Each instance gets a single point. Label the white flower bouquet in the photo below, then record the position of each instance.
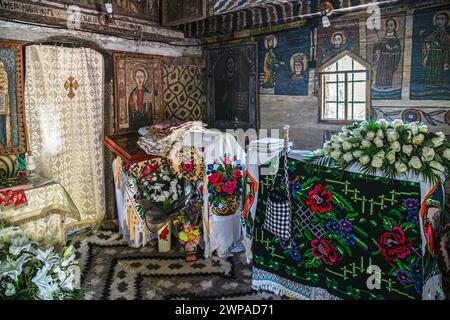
(394, 148)
(29, 272)
(164, 188)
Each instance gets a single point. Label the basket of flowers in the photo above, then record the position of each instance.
(224, 185)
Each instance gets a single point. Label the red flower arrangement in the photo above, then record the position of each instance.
(224, 179)
(394, 245)
(319, 199)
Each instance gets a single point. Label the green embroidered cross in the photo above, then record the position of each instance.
(266, 183)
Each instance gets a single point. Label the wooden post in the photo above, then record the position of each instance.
(286, 136)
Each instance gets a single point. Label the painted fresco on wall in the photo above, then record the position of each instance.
(144, 9)
(12, 116)
(385, 50)
(283, 62)
(436, 117)
(137, 87)
(340, 36)
(430, 70)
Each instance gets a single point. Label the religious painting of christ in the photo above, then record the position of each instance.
(137, 91)
(430, 78)
(385, 51)
(139, 101)
(13, 138)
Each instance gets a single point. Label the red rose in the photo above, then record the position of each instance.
(394, 245)
(319, 199)
(325, 250)
(229, 187)
(237, 174)
(215, 179)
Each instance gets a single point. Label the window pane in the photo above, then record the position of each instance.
(345, 64)
(359, 76)
(341, 113)
(358, 66)
(359, 91)
(331, 68)
(341, 92)
(330, 92)
(330, 111)
(359, 111)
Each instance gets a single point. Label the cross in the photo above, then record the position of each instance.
(266, 182)
(71, 84)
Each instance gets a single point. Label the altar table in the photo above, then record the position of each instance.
(353, 236)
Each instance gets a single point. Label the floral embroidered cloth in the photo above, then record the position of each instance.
(14, 198)
(354, 236)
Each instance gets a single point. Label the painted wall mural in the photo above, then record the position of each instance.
(385, 50)
(144, 9)
(12, 115)
(340, 36)
(435, 117)
(283, 62)
(430, 70)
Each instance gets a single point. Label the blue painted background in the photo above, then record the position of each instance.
(289, 43)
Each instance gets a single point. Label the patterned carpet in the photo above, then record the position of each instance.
(112, 270)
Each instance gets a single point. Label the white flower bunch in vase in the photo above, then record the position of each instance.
(30, 272)
(394, 148)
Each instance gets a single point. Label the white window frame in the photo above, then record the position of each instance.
(322, 89)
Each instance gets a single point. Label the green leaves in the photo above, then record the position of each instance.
(388, 223)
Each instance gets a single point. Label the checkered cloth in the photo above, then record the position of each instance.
(278, 218)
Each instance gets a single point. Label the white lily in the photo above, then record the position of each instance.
(20, 244)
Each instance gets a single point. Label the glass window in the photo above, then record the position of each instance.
(344, 90)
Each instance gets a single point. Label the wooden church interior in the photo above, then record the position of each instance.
(224, 149)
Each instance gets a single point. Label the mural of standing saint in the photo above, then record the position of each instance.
(387, 54)
(436, 50)
(271, 63)
(139, 101)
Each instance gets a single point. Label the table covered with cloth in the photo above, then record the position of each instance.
(353, 236)
(48, 213)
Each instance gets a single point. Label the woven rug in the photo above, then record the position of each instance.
(112, 270)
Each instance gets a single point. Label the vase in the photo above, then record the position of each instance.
(225, 205)
(164, 238)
